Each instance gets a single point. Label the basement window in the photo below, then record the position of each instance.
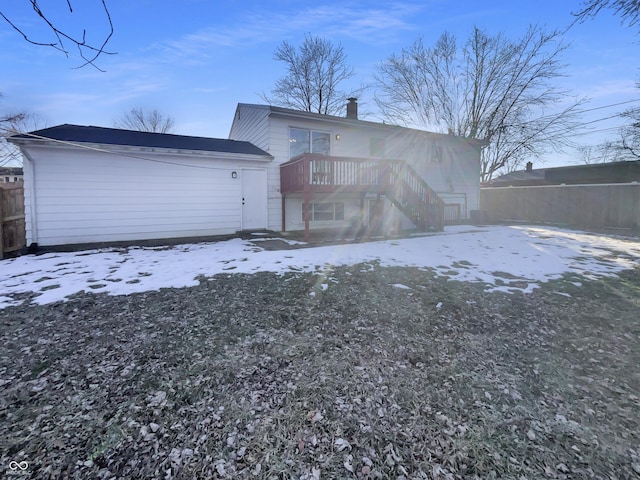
(326, 212)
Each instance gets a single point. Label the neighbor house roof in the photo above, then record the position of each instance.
(608, 172)
(114, 136)
(10, 170)
(611, 172)
(522, 177)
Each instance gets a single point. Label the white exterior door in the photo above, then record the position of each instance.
(254, 199)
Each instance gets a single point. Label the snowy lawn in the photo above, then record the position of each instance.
(480, 353)
(503, 258)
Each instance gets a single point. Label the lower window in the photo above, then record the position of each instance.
(322, 212)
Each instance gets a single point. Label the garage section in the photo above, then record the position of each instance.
(86, 192)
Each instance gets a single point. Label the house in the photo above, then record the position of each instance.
(331, 172)
(10, 174)
(280, 169)
(596, 173)
(92, 185)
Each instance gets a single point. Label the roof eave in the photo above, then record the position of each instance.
(287, 113)
(116, 148)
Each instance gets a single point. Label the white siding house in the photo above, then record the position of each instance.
(450, 165)
(91, 184)
(10, 174)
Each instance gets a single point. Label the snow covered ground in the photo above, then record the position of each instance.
(503, 258)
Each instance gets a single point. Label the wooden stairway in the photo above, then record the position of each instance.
(314, 174)
(407, 190)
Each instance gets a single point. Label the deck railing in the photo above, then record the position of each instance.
(405, 188)
(320, 173)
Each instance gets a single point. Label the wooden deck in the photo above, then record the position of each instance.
(312, 174)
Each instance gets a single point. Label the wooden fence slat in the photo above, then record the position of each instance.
(12, 219)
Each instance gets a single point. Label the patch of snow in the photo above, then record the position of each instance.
(400, 285)
(529, 256)
(8, 302)
(562, 294)
(283, 240)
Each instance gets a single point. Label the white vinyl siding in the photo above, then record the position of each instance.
(87, 196)
(251, 124)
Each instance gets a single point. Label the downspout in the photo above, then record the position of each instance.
(33, 211)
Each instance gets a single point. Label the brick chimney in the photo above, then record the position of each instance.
(352, 108)
(529, 167)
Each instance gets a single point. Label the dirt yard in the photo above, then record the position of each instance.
(388, 373)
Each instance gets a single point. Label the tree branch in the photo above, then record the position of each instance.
(89, 53)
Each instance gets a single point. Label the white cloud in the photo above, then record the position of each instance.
(365, 23)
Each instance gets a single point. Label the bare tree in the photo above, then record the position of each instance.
(493, 89)
(630, 134)
(146, 121)
(628, 146)
(603, 153)
(13, 124)
(89, 52)
(315, 71)
(629, 10)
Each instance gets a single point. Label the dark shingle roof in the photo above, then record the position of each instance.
(522, 177)
(115, 136)
(612, 172)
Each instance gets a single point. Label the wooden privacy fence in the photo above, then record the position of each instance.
(600, 206)
(12, 225)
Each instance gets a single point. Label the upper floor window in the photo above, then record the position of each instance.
(308, 141)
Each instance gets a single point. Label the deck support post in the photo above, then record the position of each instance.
(284, 222)
(306, 207)
(306, 210)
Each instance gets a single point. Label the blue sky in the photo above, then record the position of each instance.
(196, 59)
